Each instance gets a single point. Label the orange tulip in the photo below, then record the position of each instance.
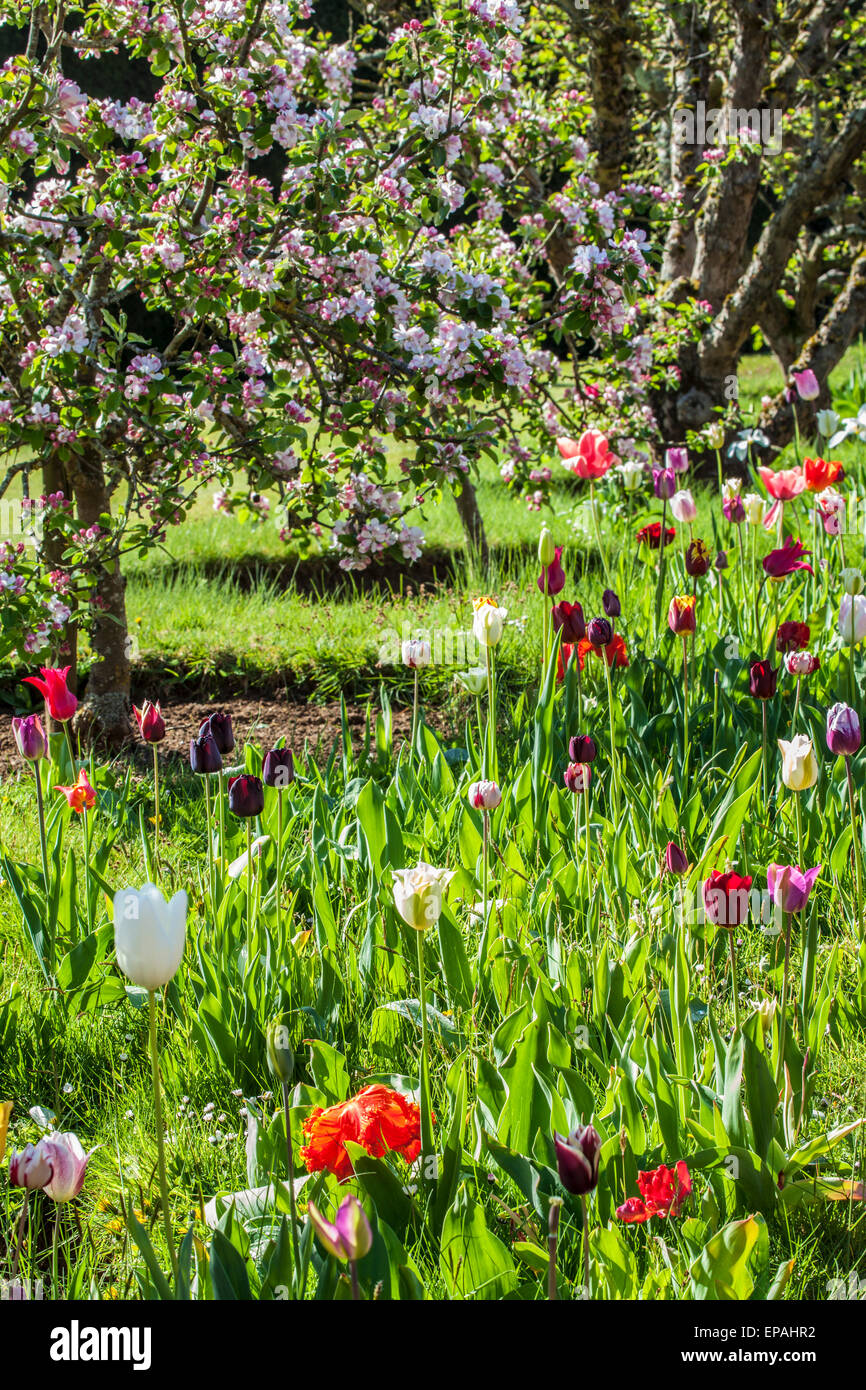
(377, 1118)
(81, 795)
(821, 473)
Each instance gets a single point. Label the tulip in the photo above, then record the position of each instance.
(651, 535)
(676, 860)
(731, 488)
(68, 1163)
(599, 632)
(843, 731)
(789, 886)
(801, 663)
(677, 459)
(81, 796)
(349, 1236)
(279, 768)
(473, 680)
(726, 898)
(611, 604)
(416, 653)
(799, 764)
(220, 725)
(418, 894)
(546, 547)
(5, 1116)
(852, 619)
(204, 756)
(792, 636)
(852, 581)
(784, 485)
(828, 422)
(488, 622)
(664, 483)
(149, 934)
(807, 386)
(697, 559)
(582, 749)
(762, 680)
(577, 1159)
(588, 457)
(30, 1168)
(484, 796)
(786, 560)
(721, 560)
(753, 506)
(30, 737)
(821, 474)
(632, 474)
(681, 615)
(62, 704)
(552, 577)
(683, 507)
(734, 510)
(246, 796)
(151, 724)
(568, 618)
(577, 777)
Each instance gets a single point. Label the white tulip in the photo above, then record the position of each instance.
(683, 507)
(488, 622)
(852, 581)
(799, 764)
(754, 506)
(418, 894)
(852, 619)
(149, 934)
(632, 475)
(416, 652)
(474, 679)
(731, 488)
(828, 421)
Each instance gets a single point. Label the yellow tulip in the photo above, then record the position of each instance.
(5, 1112)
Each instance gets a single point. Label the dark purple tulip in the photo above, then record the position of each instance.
(762, 680)
(611, 604)
(246, 795)
(676, 862)
(220, 725)
(582, 749)
(843, 731)
(30, 737)
(577, 1159)
(599, 632)
(279, 768)
(568, 618)
(722, 560)
(697, 559)
(204, 756)
(555, 575)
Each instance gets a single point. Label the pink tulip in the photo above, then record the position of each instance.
(807, 386)
(68, 1164)
(588, 457)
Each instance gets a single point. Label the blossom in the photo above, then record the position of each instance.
(753, 506)
(762, 680)
(801, 663)
(663, 1192)
(665, 484)
(62, 704)
(806, 383)
(799, 764)
(789, 886)
(792, 636)
(787, 559)
(30, 1168)
(726, 898)
(577, 1159)
(683, 506)
(569, 620)
(418, 894)
(651, 535)
(577, 777)
(484, 796)
(677, 459)
(378, 1119)
(697, 558)
(68, 1165)
(488, 622)
(784, 485)
(852, 619)
(149, 934)
(349, 1236)
(821, 473)
(588, 457)
(681, 614)
(151, 724)
(843, 730)
(552, 577)
(416, 653)
(29, 737)
(81, 796)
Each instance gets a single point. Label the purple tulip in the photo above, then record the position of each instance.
(204, 756)
(734, 510)
(349, 1236)
(599, 632)
(611, 604)
(582, 749)
(677, 459)
(789, 886)
(843, 731)
(807, 386)
(30, 737)
(555, 575)
(30, 1168)
(577, 1158)
(279, 768)
(664, 483)
(220, 725)
(246, 796)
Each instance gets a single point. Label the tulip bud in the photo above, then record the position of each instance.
(632, 475)
(676, 861)
(807, 386)
(766, 1012)
(677, 459)
(151, 724)
(474, 679)
(281, 1058)
(246, 796)
(799, 764)
(418, 894)
(29, 1169)
(220, 725)
(484, 796)
(546, 547)
(611, 604)
(762, 680)
(683, 507)
(488, 622)
(577, 1159)
(279, 768)
(852, 581)
(349, 1237)
(582, 749)
(681, 615)
(204, 756)
(30, 737)
(843, 731)
(599, 632)
(664, 483)
(577, 777)
(721, 561)
(416, 653)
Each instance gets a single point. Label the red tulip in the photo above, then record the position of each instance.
(792, 637)
(651, 535)
(151, 724)
(663, 1192)
(61, 702)
(726, 898)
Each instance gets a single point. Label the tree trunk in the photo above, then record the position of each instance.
(64, 648)
(472, 521)
(104, 713)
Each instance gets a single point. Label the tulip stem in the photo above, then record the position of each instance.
(40, 808)
(279, 888)
(356, 1287)
(160, 1134)
(851, 683)
(685, 717)
(489, 770)
(222, 820)
(783, 1022)
(796, 708)
(249, 820)
(598, 533)
(209, 837)
(764, 770)
(68, 734)
(426, 1128)
(290, 1172)
(734, 984)
(661, 571)
(586, 812)
(414, 712)
(585, 1217)
(155, 802)
(485, 835)
(552, 1234)
(613, 756)
(20, 1234)
(858, 853)
(545, 619)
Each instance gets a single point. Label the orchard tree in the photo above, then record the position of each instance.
(289, 258)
